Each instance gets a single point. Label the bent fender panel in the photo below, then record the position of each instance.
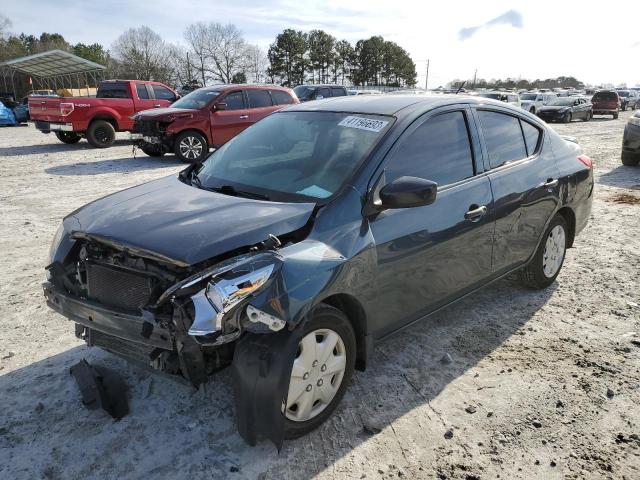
(262, 368)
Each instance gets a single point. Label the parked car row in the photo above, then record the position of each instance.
(321, 230)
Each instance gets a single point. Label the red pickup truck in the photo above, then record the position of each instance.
(101, 117)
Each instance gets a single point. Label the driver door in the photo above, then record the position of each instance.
(428, 256)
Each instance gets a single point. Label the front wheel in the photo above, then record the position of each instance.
(321, 371)
(630, 159)
(545, 265)
(68, 137)
(568, 118)
(587, 117)
(615, 116)
(191, 147)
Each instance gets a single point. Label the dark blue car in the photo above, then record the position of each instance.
(314, 234)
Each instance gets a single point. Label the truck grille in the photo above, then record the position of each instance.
(118, 287)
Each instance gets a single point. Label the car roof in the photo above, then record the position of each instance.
(229, 86)
(388, 104)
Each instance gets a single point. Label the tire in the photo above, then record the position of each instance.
(534, 274)
(153, 150)
(615, 116)
(587, 117)
(532, 110)
(623, 107)
(324, 318)
(101, 134)
(630, 159)
(191, 147)
(568, 118)
(68, 137)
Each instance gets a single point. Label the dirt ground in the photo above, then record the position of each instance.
(540, 384)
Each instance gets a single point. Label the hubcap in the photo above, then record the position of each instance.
(553, 251)
(317, 374)
(191, 148)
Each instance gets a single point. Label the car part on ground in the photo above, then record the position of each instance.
(322, 222)
(101, 387)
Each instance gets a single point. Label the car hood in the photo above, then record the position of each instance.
(158, 113)
(184, 224)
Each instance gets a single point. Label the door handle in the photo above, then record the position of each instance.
(550, 183)
(157, 105)
(475, 213)
(244, 116)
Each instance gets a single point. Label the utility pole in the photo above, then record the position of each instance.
(475, 74)
(426, 78)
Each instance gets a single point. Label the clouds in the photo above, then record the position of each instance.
(637, 44)
(512, 17)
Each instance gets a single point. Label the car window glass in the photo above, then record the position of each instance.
(162, 93)
(503, 137)
(141, 88)
(259, 98)
(280, 97)
(323, 92)
(113, 90)
(338, 92)
(531, 136)
(438, 150)
(234, 101)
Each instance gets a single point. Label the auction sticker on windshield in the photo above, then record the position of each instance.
(363, 123)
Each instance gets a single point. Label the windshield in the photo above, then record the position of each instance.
(196, 100)
(623, 93)
(303, 92)
(564, 101)
(294, 156)
(495, 96)
(528, 96)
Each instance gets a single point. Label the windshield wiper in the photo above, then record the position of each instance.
(231, 190)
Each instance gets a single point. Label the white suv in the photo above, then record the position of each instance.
(532, 101)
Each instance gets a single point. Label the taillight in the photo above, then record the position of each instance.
(586, 160)
(66, 109)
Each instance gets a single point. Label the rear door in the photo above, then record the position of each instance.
(143, 96)
(227, 123)
(525, 183)
(260, 104)
(428, 256)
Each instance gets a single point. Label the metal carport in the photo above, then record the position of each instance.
(52, 70)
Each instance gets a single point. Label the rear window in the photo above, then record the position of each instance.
(503, 136)
(259, 98)
(605, 96)
(113, 90)
(280, 97)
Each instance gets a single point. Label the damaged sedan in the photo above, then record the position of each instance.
(312, 235)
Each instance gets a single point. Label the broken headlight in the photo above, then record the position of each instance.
(224, 292)
(57, 239)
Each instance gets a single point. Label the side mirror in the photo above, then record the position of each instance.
(408, 192)
(220, 106)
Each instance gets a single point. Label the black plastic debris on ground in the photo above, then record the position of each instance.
(101, 387)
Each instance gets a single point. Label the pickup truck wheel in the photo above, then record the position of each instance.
(615, 116)
(545, 265)
(630, 159)
(191, 147)
(101, 134)
(321, 371)
(153, 150)
(68, 137)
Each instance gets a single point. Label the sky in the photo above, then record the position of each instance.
(518, 38)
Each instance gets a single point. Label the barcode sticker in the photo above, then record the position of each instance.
(361, 123)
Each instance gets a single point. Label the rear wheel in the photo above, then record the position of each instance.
(321, 371)
(68, 137)
(545, 265)
(630, 159)
(101, 134)
(587, 116)
(615, 116)
(191, 147)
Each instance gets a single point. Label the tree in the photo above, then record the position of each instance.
(196, 36)
(368, 61)
(287, 57)
(257, 63)
(142, 54)
(227, 50)
(5, 25)
(343, 60)
(321, 53)
(94, 52)
(239, 77)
